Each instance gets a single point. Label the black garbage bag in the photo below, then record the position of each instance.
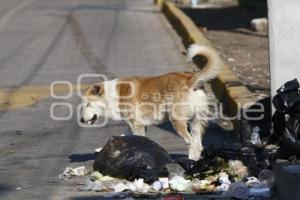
(210, 160)
(287, 99)
(132, 157)
(193, 168)
(286, 119)
(209, 163)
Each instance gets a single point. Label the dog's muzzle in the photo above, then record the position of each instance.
(91, 121)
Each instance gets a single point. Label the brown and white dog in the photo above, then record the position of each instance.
(142, 101)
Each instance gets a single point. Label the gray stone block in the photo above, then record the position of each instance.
(287, 179)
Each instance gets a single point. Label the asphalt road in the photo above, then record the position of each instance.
(58, 40)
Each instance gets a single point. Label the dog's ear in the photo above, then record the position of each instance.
(97, 90)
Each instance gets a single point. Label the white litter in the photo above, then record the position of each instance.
(165, 182)
(157, 185)
(255, 138)
(179, 183)
(98, 186)
(96, 176)
(120, 187)
(138, 185)
(222, 188)
(78, 171)
(106, 178)
(225, 182)
(224, 178)
(92, 186)
(259, 24)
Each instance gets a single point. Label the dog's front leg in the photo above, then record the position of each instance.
(137, 128)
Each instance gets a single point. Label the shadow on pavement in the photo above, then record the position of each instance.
(226, 18)
(215, 135)
(82, 157)
(167, 127)
(4, 189)
(175, 156)
(218, 137)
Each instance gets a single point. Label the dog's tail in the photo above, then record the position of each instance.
(212, 61)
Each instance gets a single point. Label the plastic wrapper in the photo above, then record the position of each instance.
(175, 169)
(132, 157)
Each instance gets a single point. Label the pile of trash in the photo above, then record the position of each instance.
(221, 183)
(135, 165)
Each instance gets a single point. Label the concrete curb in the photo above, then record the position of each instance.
(227, 87)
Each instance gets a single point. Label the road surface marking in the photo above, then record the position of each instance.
(12, 99)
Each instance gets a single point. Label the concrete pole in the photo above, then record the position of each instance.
(284, 34)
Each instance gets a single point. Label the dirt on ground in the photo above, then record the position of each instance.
(244, 50)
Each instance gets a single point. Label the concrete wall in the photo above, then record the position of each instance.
(284, 33)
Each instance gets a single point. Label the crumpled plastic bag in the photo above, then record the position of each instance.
(178, 183)
(175, 169)
(132, 157)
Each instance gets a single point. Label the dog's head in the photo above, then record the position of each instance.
(93, 104)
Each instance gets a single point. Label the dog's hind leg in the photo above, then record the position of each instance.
(197, 130)
(181, 128)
